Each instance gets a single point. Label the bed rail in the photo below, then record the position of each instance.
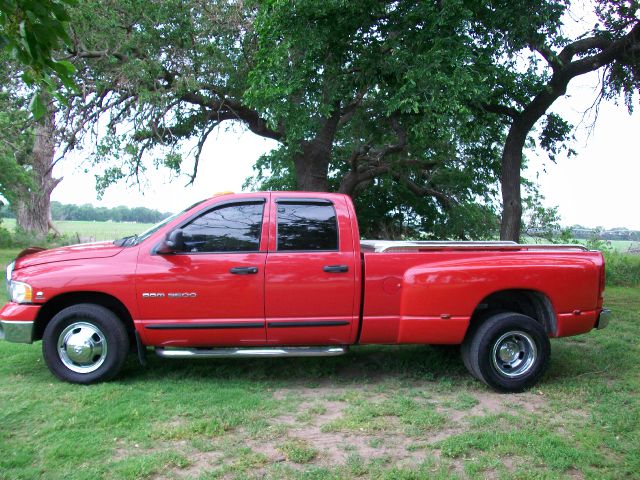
(380, 246)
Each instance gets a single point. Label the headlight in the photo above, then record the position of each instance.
(20, 292)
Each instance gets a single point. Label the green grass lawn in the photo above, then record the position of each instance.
(379, 412)
(95, 231)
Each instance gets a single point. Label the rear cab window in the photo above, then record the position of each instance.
(306, 225)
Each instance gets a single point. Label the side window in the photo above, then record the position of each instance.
(307, 226)
(231, 228)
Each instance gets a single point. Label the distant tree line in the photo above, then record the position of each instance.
(583, 233)
(608, 234)
(88, 212)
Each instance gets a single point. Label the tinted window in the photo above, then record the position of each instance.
(234, 228)
(307, 227)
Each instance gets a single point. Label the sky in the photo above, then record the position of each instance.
(600, 186)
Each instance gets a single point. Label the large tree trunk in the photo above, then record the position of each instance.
(312, 167)
(33, 205)
(510, 184)
(312, 163)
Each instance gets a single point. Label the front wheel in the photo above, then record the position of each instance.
(508, 351)
(85, 343)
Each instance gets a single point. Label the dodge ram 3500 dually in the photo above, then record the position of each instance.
(286, 274)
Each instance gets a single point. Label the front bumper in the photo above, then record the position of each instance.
(16, 331)
(603, 318)
(17, 322)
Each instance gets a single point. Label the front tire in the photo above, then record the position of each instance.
(508, 351)
(85, 343)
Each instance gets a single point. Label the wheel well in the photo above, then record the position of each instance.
(56, 304)
(527, 302)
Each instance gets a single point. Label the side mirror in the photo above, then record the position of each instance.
(174, 242)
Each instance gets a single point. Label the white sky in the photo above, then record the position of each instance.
(600, 186)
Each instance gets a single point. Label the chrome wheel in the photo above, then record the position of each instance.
(82, 347)
(514, 354)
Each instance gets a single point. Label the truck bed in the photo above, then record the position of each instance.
(427, 292)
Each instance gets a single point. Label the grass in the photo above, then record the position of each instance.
(94, 231)
(298, 451)
(380, 412)
(622, 269)
(623, 245)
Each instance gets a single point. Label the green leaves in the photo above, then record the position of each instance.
(32, 31)
(37, 106)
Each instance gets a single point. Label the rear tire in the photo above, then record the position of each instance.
(85, 343)
(508, 351)
(465, 352)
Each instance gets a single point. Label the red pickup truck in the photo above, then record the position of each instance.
(286, 274)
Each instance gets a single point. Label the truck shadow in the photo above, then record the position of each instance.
(375, 364)
(362, 364)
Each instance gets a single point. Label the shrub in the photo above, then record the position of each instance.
(22, 239)
(623, 270)
(6, 240)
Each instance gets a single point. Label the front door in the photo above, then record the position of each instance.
(212, 293)
(310, 273)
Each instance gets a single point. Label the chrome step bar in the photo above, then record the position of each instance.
(251, 352)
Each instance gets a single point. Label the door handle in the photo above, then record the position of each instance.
(244, 270)
(335, 268)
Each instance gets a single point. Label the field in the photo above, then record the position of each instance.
(379, 412)
(92, 231)
(621, 246)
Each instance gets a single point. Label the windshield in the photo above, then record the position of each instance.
(136, 239)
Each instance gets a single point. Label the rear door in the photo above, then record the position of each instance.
(212, 293)
(310, 272)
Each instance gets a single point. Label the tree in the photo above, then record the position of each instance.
(361, 90)
(32, 32)
(358, 94)
(12, 144)
(27, 148)
(612, 46)
(32, 203)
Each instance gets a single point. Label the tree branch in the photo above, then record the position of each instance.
(546, 53)
(199, 146)
(420, 191)
(500, 109)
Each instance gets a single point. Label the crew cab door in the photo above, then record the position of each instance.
(310, 272)
(212, 293)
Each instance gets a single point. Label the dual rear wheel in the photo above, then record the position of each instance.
(507, 351)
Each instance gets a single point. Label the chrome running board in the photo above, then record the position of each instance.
(250, 352)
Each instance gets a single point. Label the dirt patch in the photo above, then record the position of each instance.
(492, 403)
(575, 474)
(200, 462)
(321, 405)
(323, 391)
(335, 447)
